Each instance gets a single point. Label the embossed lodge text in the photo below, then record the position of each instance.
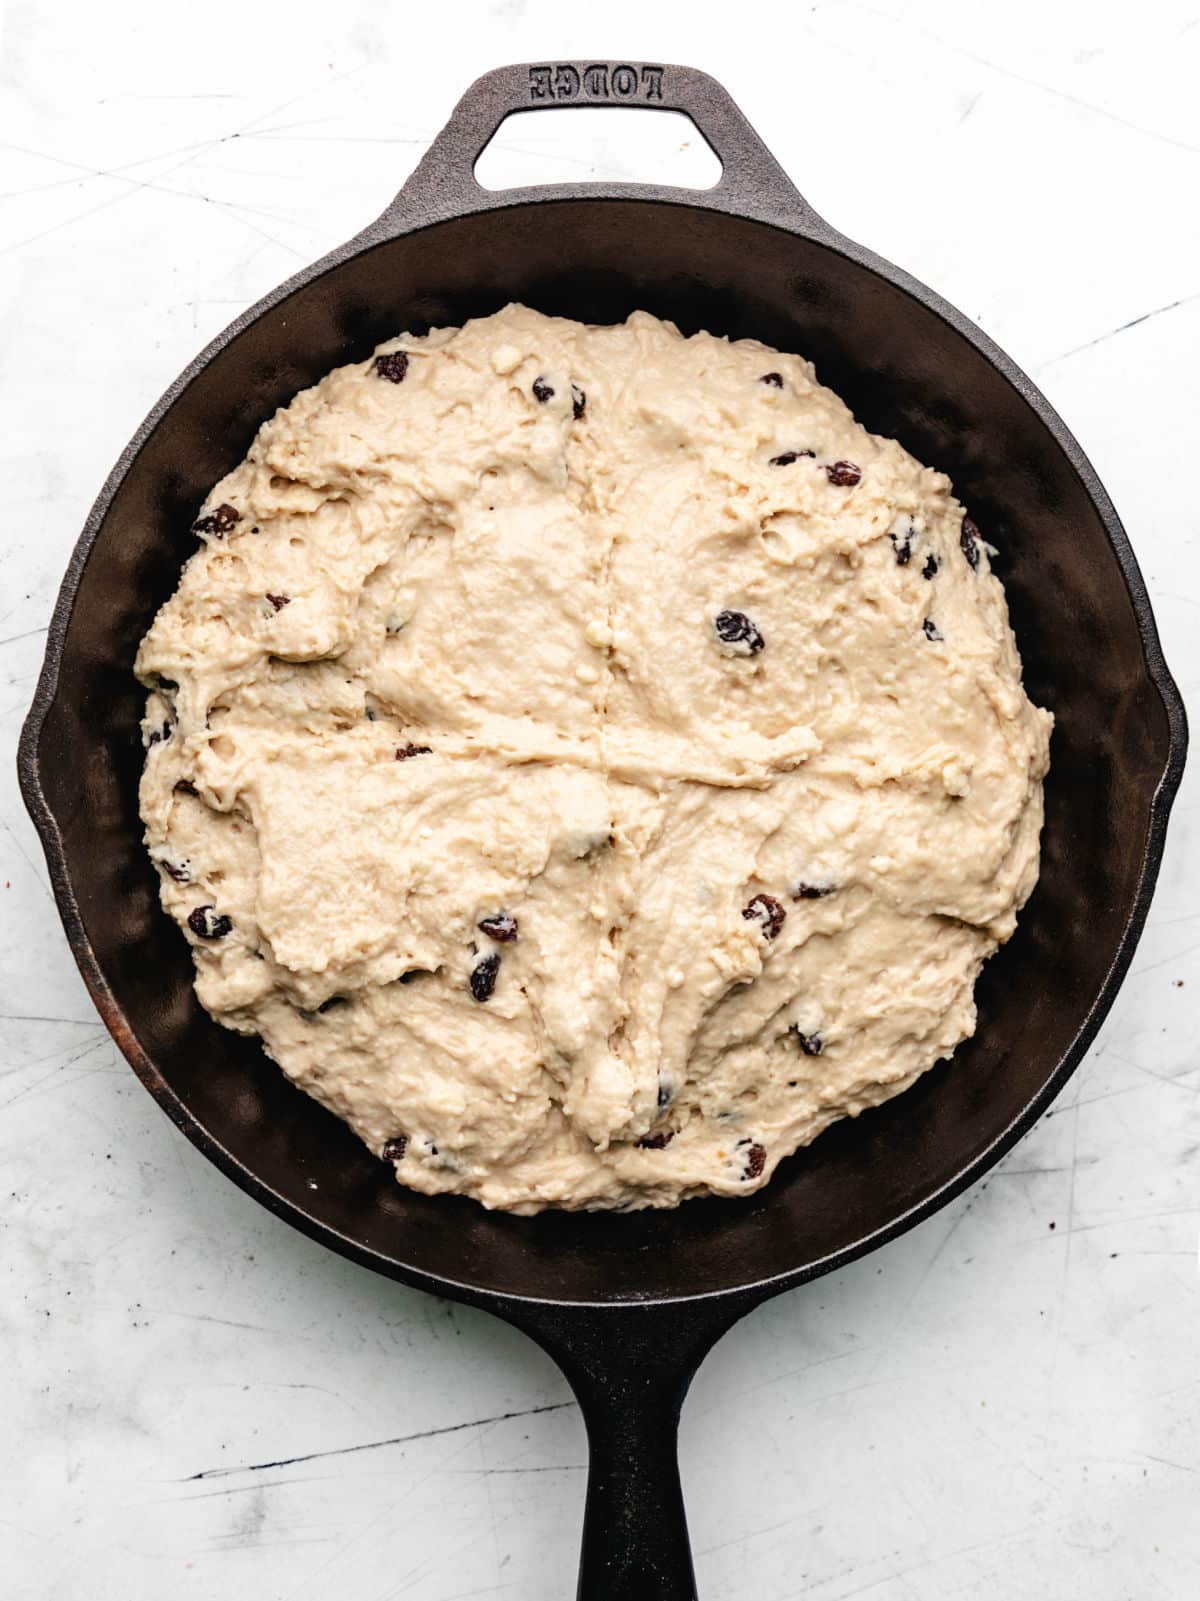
(600, 82)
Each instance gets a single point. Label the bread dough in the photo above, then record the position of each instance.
(632, 646)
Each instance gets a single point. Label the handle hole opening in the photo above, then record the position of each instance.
(597, 144)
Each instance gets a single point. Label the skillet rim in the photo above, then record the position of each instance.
(800, 222)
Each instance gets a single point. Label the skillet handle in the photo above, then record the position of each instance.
(630, 1368)
(752, 182)
(635, 1534)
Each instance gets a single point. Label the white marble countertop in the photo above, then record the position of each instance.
(1006, 1402)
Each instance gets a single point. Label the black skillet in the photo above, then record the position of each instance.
(627, 1306)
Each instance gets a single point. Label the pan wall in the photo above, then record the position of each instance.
(905, 372)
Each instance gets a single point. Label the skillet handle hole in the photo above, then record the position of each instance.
(602, 144)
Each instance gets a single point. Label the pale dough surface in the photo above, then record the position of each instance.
(461, 562)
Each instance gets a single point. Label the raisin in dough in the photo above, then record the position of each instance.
(641, 653)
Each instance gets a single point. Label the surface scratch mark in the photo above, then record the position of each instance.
(909, 26)
(1134, 322)
(376, 1445)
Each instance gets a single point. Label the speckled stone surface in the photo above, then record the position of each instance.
(200, 1403)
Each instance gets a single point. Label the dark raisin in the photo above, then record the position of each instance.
(812, 892)
(789, 456)
(280, 601)
(184, 786)
(181, 872)
(902, 546)
(756, 1160)
(931, 566)
(843, 473)
(205, 923)
(407, 751)
(502, 927)
(578, 402)
(666, 1094)
(775, 379)
(968, 540)
(657, 1142)
(217, 522)
(932, 631)
(765, 909)
(810, 1044)
(542, 391)
(483, 976)
(735, 628)
(393, 1150)
(393, 366)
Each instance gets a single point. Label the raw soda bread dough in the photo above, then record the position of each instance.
(589, 759)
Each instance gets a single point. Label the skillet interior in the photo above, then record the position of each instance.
(906, 372)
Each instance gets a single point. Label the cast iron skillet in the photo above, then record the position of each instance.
(627, 1306)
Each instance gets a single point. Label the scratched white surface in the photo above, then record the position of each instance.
(1004, 1403)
